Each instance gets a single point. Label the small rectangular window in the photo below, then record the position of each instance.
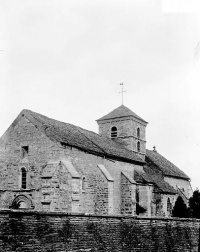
(24, 151)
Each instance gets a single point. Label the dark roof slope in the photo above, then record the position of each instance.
(164, 165)
(121, 111)
(78, 137)
(159, 184)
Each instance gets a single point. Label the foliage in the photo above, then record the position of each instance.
(194, 205)
(180, 209)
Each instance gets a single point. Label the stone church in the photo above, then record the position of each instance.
(48, 165)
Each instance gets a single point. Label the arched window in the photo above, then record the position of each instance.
(138, 132)
(138, 146)
(169, 206)
(23, 178)
(113, 132)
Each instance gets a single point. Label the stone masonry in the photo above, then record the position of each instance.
(58, 232)
(47, 165)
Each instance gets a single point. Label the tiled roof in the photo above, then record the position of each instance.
(121, 111)
(153, 158)
(159, 184)
(74, 136)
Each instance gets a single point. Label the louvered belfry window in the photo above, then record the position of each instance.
(138, 132)
(138, 146)
(113, 132)
(23, 178)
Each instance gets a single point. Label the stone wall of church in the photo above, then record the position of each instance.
(126, 133)
(145, 198)
(125, 127)
(51, 232)
(168, 202)
(128, 192)
(162, 204)
(183, 185)
(62, 191)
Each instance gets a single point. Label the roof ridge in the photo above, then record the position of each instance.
(75, 136)
(121, 111)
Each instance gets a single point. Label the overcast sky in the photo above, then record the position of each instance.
(66, 59)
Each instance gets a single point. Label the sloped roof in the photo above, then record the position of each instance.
(159, 184)
(164, 165)
(121, 111)
(74, 136)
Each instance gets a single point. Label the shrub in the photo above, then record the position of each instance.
(180, 209)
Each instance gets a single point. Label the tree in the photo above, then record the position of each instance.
(180, 209)
(194, 205)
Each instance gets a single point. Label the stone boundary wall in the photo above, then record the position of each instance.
(31, 231)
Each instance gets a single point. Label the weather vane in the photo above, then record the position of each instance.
(122, 92)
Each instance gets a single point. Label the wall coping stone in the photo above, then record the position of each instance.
(127, 176)
(120, 216)
(71, 169)
(105, 172)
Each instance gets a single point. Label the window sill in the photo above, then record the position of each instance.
(23, 190)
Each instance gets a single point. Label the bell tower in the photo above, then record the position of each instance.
(125, 127)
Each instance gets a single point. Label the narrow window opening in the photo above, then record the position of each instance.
(83, 184)
(138, 132)
(113, 132)
(169, 206)
(23, 178)
(137, 196)
(138, 146)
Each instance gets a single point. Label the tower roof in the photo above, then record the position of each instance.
(121, 111)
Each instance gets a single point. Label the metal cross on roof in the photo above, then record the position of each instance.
(122, 92)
